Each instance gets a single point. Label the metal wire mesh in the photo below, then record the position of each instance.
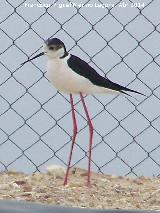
(122, 43)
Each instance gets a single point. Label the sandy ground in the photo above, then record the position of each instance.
(107, 191)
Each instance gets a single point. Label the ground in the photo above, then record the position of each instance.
(107, 191)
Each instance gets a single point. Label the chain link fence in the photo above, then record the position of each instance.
(121, 40)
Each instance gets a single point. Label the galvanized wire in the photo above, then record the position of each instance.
(10, 135)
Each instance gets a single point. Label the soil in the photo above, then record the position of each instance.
(105, 192)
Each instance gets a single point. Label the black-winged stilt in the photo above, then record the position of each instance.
(72, 75)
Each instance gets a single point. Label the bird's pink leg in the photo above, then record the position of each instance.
(73, 139)
(90, 139)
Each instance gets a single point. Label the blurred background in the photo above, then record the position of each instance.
(121, 40)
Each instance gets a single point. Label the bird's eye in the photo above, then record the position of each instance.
(51, 48)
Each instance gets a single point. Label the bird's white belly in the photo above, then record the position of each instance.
(64, 79)
(68, 81)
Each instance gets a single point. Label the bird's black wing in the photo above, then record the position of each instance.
(82, 68)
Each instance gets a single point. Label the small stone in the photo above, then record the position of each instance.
(27, 188)
(56, 170)
(4, 187)
(20, 182)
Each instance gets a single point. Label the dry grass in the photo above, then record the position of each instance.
(106, 191)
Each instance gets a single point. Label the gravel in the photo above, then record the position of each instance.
(106, 192)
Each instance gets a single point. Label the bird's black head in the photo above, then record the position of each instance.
(53, 48)
(54, 41)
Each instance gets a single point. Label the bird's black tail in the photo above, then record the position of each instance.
(122, 89)
(125, 89)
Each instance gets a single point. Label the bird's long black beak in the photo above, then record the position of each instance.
(40, 54)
